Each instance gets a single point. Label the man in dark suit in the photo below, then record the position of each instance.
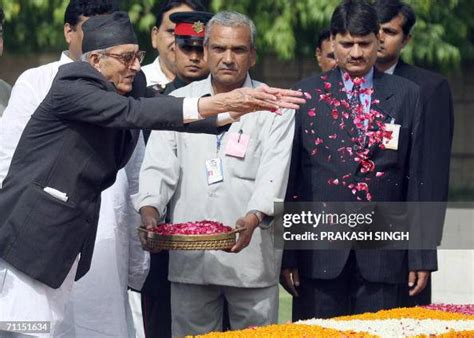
(71, 150)
(336, 158)
(396, 22)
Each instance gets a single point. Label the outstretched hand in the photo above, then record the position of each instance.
(246, 100)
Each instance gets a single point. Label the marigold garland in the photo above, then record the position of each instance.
(314, 331)
(410, 312)
(287, 331)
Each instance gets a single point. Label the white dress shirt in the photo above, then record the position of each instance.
(154, 74)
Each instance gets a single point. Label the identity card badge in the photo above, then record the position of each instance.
(237, 144)
(214, 171)
(392, 143)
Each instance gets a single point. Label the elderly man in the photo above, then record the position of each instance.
(94, 307)
(253, 162)
(70, 151)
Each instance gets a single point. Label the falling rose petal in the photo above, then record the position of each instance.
(311, 124)
(369, 196)
(367, 166)
(333, 136)
(375, 101)
(318, 141)
(311, 113)
(307, 95)
(333, 181)
(306, 131)
(358, 81)
(314, 151)
(345, 177)
(329, 158)
(379, 174)
(327, 85)
(324, 77)
(334, 114)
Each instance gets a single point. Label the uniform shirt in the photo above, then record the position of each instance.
(154, 74)
(174, 170)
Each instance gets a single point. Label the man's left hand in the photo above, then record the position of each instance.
(249, 223)
(417, 281)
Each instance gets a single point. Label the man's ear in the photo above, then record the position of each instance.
(406, 40)
(318, 55)
(94, 61)
(68, 30)
(253, 57)
(153, 37)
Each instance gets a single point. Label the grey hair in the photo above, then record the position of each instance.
(231, 19)
(85, 57)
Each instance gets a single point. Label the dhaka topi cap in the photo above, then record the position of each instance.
(190, 27)
(108, 30)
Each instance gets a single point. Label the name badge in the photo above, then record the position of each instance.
(237, 144)
(214, 171)
(392, 143)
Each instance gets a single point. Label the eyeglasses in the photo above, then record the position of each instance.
(128, 58)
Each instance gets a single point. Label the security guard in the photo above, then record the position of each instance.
(190, 62)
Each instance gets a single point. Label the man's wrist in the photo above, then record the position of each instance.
(259, 216)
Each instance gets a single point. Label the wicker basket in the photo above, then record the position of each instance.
(221, 241)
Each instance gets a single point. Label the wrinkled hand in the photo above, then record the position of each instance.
(285, 98)
(417, 281)
(290, 280)
(246, 100)
(249, 223)
(150, 217)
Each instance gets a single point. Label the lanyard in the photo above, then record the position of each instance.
(219, 142)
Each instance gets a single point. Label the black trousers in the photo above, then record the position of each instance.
(156, 298)
(423, 298)
(347, 294)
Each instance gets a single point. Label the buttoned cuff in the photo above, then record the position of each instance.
(191, 109)
(224, 119)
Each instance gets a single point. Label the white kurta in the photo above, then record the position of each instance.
(154, 74)
(174, 170)
(117, 244)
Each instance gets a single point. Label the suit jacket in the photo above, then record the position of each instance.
(75, 142)
(312, 168)
(439, 124)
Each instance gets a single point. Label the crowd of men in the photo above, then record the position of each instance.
(94, 144)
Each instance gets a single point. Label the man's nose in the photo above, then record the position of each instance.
(135, 65)
(356, 51)
(381, 36)
(228, 57)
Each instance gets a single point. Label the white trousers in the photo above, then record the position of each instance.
(27, 300)
(198, 309)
